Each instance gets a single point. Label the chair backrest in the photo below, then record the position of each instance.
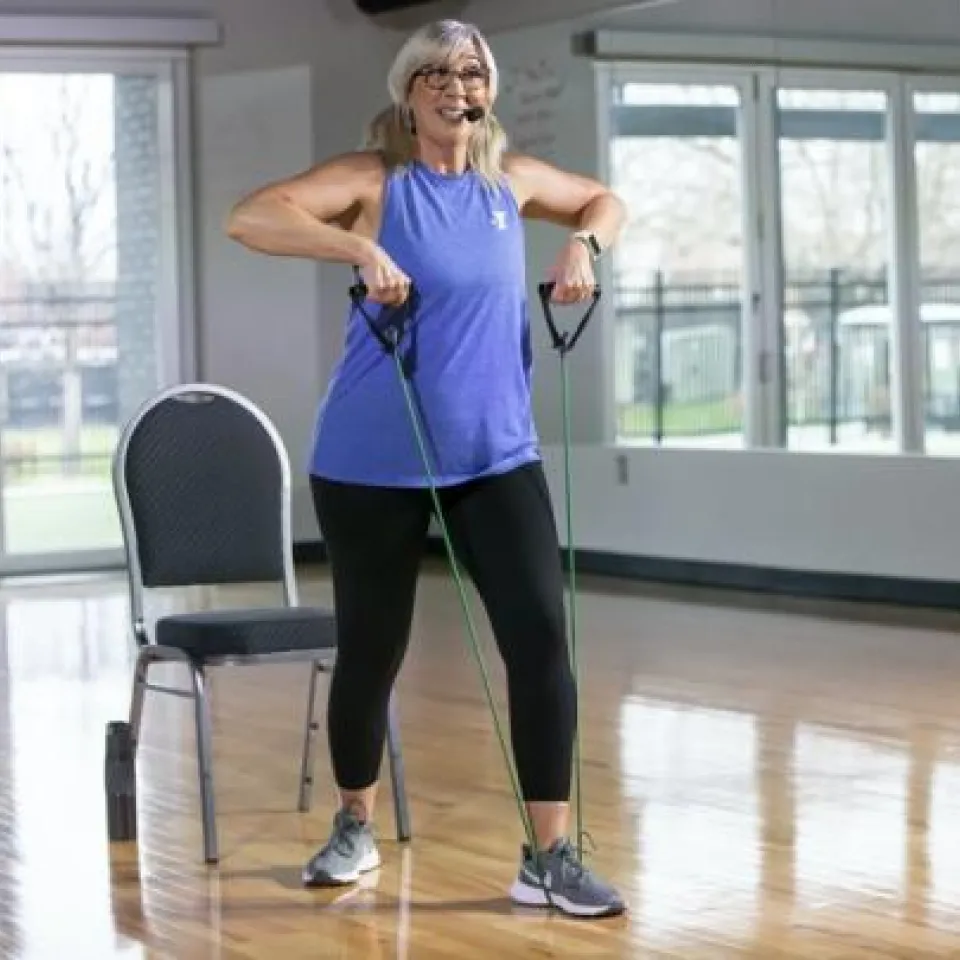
(202, 482)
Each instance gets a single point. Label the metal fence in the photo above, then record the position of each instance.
(679, 354)
(59, 402)
(679, 364)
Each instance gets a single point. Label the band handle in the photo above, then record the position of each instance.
(563, 341)
(391, 337)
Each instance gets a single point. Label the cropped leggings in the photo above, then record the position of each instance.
(504, 535)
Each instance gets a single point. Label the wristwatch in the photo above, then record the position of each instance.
(589, 240)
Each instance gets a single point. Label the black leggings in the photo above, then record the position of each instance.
(505, 537)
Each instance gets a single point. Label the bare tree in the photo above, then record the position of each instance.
(58, 207)
(686, 205)
(57, 199)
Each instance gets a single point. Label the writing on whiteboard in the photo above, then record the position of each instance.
(531, 96)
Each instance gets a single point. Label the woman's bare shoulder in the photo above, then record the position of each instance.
(331, 189)
(359, 166)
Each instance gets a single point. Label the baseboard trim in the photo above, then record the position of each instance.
(910, 592)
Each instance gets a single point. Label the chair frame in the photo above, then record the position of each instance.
(149, 652)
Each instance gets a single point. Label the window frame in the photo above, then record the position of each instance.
(899, 72)
(175, 325)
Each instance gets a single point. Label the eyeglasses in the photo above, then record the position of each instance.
(438, 78)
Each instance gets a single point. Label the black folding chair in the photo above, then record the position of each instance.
(202, 482)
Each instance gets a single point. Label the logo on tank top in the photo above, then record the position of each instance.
(499, 219)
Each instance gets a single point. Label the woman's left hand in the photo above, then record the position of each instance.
(572, 274)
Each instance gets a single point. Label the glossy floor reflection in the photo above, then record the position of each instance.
(760, 784)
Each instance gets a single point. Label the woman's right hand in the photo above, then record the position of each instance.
(385, 281)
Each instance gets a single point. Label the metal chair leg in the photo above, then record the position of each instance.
(309, 731)
(205, 764)
(400, 808)
(138, 694)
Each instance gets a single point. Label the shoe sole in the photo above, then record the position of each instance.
(369, 861)
(526, 896)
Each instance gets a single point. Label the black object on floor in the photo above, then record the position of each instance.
(120, 782)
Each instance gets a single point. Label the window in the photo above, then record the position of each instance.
(91, 289)
(677, 158)
(788, 274)
(937, 124)
(834, 197)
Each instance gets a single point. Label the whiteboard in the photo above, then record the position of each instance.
(532, 104)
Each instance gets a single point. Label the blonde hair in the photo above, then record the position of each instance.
(391, 134)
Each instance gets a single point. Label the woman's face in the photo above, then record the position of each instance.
(441, 92)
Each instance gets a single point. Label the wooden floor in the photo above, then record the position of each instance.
(759, 783)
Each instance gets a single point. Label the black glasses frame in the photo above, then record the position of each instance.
(439, 78)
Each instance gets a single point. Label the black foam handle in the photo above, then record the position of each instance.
(388, 340)
(563, 341)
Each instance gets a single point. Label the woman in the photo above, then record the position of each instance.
(431, 214)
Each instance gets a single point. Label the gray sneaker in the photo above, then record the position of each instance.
(566, 884)
(349, 853)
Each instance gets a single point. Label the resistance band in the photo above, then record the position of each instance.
(563, 343)
(390, 338)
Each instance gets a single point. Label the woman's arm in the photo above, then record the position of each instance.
(312, 214)
(546, 192)
(585, 206)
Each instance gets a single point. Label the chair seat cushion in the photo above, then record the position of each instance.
(247, 632)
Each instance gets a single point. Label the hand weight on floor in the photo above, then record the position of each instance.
(120, 782)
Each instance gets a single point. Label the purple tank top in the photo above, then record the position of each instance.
(467, 348)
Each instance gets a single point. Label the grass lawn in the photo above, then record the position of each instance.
(43, 517)
(51, 506)
(681, 419)
(35, 452)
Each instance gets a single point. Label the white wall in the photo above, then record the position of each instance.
(822, 512)
(261, 329)
(111, 7)
(828, 513)
(936, 20)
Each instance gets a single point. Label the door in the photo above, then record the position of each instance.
(90, 291)
(837, 216)
(680, 152)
